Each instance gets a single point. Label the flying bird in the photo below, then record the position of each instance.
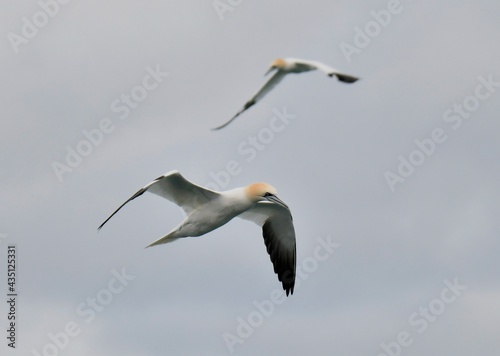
(283, 67)
(207, 210)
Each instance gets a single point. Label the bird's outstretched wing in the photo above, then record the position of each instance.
(330, 71)
(174, 187)
(279, 237)
(270, 84)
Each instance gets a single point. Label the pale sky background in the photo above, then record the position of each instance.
(396, 248)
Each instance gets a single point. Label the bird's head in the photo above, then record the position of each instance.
(276, 64)
(259, 191)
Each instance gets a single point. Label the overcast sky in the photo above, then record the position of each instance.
(398, 171)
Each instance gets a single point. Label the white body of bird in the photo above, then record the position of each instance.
(214, 214)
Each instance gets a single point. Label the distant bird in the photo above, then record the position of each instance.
(207, 210)
(283, 67)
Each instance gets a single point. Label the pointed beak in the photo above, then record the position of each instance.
(269, 70)
(274, 199)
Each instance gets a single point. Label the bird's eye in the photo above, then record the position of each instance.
(267, 194)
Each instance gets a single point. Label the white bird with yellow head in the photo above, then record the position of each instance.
(207, 210)
(284, 66)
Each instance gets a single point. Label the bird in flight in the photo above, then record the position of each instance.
(207, 210)
(283, 67)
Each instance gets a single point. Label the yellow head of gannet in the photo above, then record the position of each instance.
(277, 64)
(257, 191)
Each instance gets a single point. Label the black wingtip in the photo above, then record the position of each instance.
(100, 226)
(289, 283)
(247, 105)
(345, 78)
(139, 193)
(225, 124)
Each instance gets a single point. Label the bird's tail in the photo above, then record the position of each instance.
(170, 237)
